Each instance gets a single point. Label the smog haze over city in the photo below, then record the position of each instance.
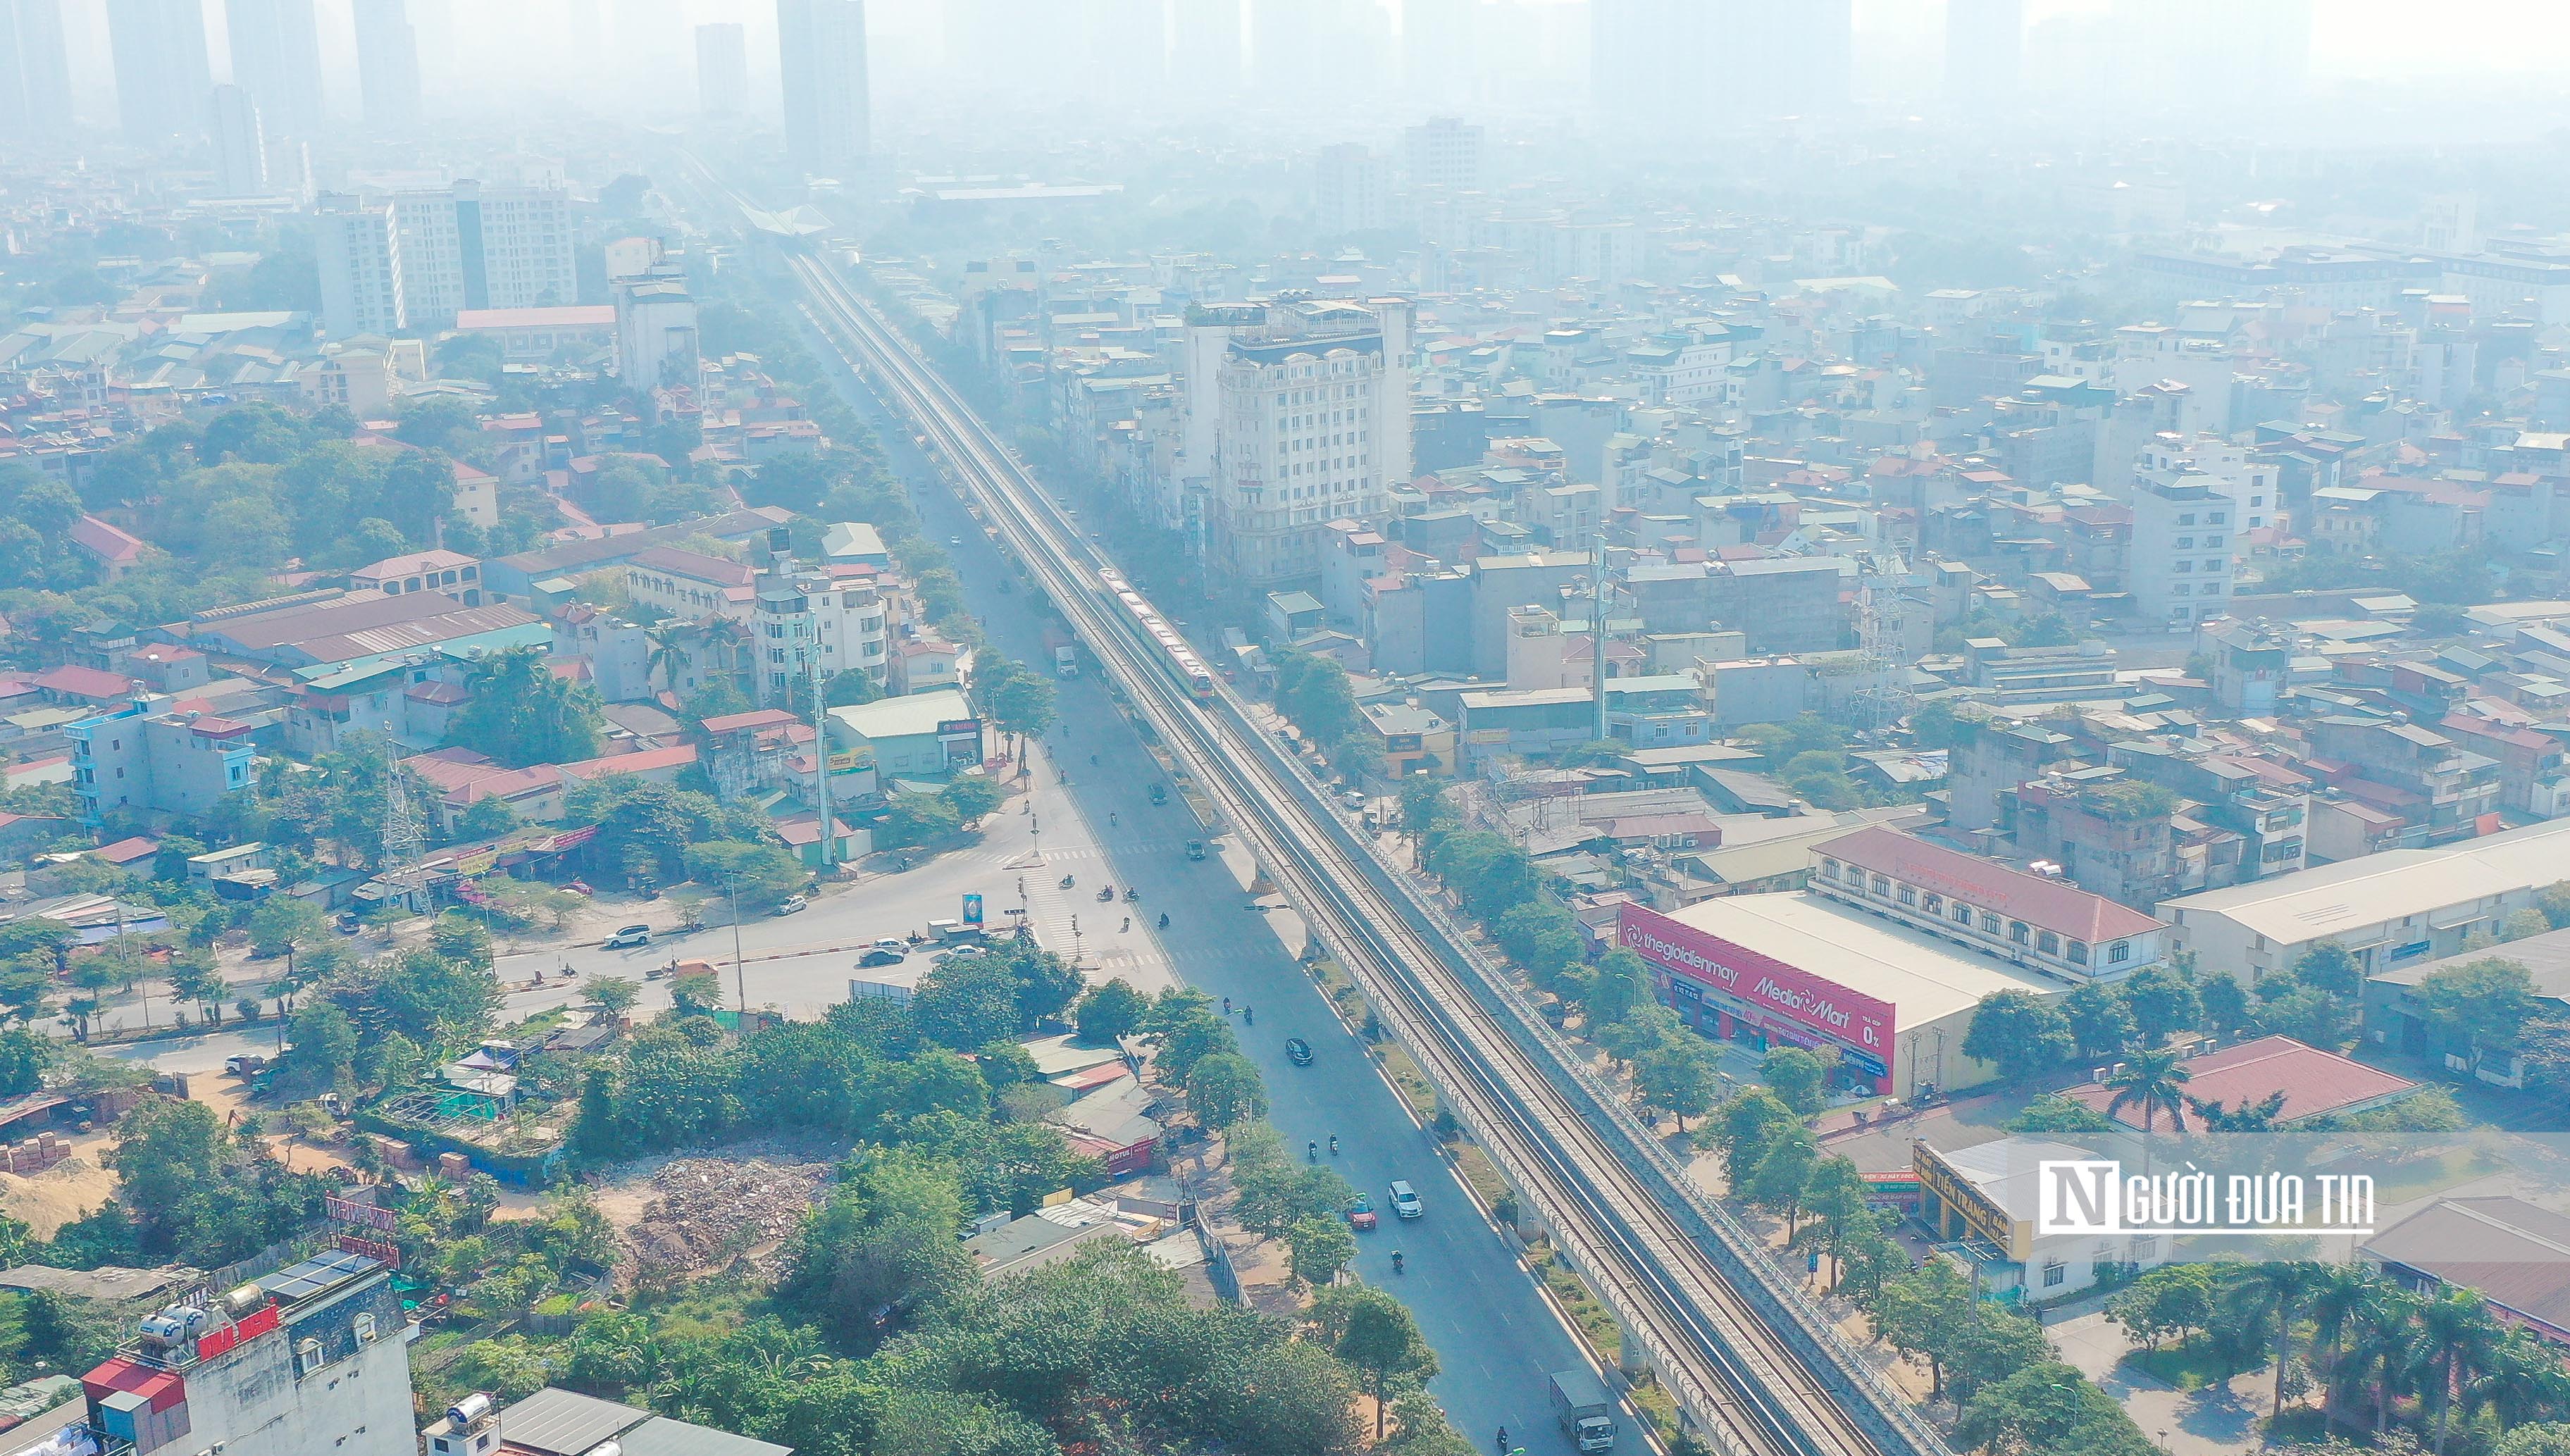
(718, 718)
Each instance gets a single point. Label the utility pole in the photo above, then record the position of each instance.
(740, 971)
(821, 748)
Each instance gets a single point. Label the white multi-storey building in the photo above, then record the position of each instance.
(2181, 551)
(1311, 412)
(415, 259)
(472, 246)
(656, 330)
(1351, 189)
(360, 260)
(832, 617)
(2253, 487)
(1443, 152)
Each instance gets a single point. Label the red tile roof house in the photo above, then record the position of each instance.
(463, 777)
(2034, 921)
(659, 765)
(2316, 1083)
(2514, 1254)
(73, 687)
(115, 550)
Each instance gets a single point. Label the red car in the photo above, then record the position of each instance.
(1361, 1212)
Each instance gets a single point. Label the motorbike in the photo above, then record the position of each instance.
(1128, 922)
(1065, 881)
(1106, 895)
(1396, 1264)
(1131, 895)
(1164, 920)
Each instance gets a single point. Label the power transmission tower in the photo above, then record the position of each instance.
(405, 836)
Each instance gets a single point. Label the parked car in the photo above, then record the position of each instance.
(1405, 1200)
(246, 1065)
(1298, 1051)
(880, 956)
(630, 936)
(892, 943)
(1361, 1212)
(789, 905)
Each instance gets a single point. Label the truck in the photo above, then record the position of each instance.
(1066, 660)
(1585, 1410)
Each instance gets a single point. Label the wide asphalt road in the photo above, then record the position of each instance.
(1495, 1337)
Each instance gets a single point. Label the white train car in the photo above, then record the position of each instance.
(1171, 645)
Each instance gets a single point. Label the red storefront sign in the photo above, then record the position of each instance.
(1843, 1015)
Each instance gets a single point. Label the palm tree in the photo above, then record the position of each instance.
(2270, 1290)
(2152, 1080)
(2454, 1337)
(2380, 1347)
(669, 641)
(2340, 1297)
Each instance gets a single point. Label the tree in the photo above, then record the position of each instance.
(24, 1056)
(1797, 1077)
(2331, 967)
(2161, 1003)
(2455, 1332)
(165, 1151)
(1623, 980)
(521, 714)
(759, 872)
(969, 797)
(966, 1003)
(2054, 1113)
(317, 1059)
(2271, 1289)
(2223, 1003)
(1678, 1076)
(612, 994)
(1747, 1124)
(2046, 1407)
(2099, 1024)
(1019, 701)
(1378, 1337)
(1108, 1011)
(2172, 1299)
(1925, 1313)
(2020, 1033)
(2481, 1006)
(1784, 1174)
(2150, 1081)
(1225, 1091)
(2310, 1015)
(284, 925)
(1316, 1249)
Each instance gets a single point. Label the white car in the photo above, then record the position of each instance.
(630, 936)
(1405, 1200)
(892, 943)
(789, 905)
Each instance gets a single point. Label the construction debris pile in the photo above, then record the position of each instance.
(707, 1212)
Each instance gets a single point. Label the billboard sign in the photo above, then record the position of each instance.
(971, 910)
(1849, 1018)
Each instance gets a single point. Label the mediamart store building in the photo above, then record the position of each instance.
(1797, 969)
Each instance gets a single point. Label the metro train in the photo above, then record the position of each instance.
(1172, 647)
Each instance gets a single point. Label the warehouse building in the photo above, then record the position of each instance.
(1891, 1003)
(2393, 910)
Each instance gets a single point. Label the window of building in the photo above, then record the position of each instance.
(1963, 914)
(1936, 905)
(2049, 943)
(2054, 1272)
(2119, 953)
(2186, 542)
(1990, 922)
(2187, 519)
(1882, 886)
(2216, 518)
(2018, 931)
(2079, 953)
(1908, 896)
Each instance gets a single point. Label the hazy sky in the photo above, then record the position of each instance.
(517, 45)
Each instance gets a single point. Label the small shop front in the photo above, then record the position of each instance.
(1730, 991)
